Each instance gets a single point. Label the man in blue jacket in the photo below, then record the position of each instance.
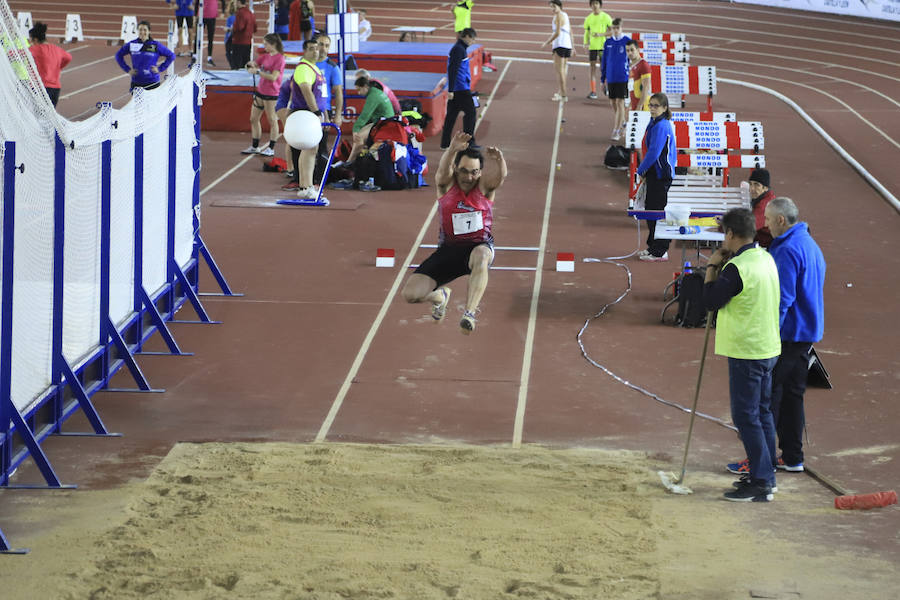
(801, 275)
(801, 272)
(459, 88)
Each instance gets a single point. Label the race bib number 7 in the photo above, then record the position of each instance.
(467, 222)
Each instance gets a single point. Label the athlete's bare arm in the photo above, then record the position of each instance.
(443, 179)
(494, 172)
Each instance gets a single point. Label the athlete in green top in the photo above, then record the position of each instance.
(462, 13)
(596, 30)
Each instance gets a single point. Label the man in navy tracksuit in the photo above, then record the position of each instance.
(145, 54)
(801, 274)
(459, 88)
(614, 74)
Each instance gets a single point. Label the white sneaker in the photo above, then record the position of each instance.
(556, 97)
(616, 134)
(267, 151)
(250, 150)
(643, 252)
(649, 257)
(310, 193)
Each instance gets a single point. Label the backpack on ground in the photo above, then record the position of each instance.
(617, 157)
(691, 310)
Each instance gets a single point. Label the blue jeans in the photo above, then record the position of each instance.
(750, 385)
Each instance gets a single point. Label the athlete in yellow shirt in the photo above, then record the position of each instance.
(462, 14)
(596, 29)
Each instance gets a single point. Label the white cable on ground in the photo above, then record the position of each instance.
(612, 261)
(892, 200)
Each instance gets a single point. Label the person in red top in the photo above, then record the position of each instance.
(48, 58)
(242, 34)
(466, 183)
(760, 195)
(640, 74)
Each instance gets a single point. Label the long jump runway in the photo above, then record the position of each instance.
(291, 361)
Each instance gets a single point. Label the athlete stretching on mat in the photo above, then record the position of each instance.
(466, 182)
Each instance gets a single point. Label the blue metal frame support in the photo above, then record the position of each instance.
(173, 170)
(6, 316)
(126, 356)
(160, 323)
(138, 221)
(214, 269)
(191, 296)
(59, 242)
(105, 245)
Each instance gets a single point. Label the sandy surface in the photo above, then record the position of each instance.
(354, 521)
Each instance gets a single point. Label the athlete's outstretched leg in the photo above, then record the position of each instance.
(479, 263)
(421, 288)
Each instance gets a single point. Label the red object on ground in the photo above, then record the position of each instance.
(866, 501)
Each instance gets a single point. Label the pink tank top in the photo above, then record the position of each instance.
(465, 218)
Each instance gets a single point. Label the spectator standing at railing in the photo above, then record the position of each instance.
(596, 25)
(48, 58)
(614, 75)
(242, 35)
(746, 294)
(640, 77)
(760, 196)
(657, 170)
(145, 53)
(563, 48)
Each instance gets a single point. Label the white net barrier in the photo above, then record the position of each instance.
(30, 121)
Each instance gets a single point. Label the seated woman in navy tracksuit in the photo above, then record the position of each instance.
(145, 54)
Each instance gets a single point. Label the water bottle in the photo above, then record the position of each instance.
(370, 183)
(689, 229)
(687, 267)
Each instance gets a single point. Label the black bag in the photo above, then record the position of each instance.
(617, 157)
(410, 104)
(691, 311)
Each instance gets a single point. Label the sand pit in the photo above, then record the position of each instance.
(335, 521)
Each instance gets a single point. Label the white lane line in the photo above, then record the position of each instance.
(90, 87)
(835, 98)
(892, 200)
(535, 294)
(226, 174)
(93, 62)
(376, 324)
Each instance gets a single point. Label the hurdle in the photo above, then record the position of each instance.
(705, 195)
(684, 80)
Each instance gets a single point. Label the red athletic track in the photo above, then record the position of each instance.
(273, 369)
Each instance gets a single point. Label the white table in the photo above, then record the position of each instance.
(414, 31)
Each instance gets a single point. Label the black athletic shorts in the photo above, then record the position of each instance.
(595, 55)
(264, 96)
(305, 25)
(180, 19)
(449, 262)
(563, 52)
(617, 90)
